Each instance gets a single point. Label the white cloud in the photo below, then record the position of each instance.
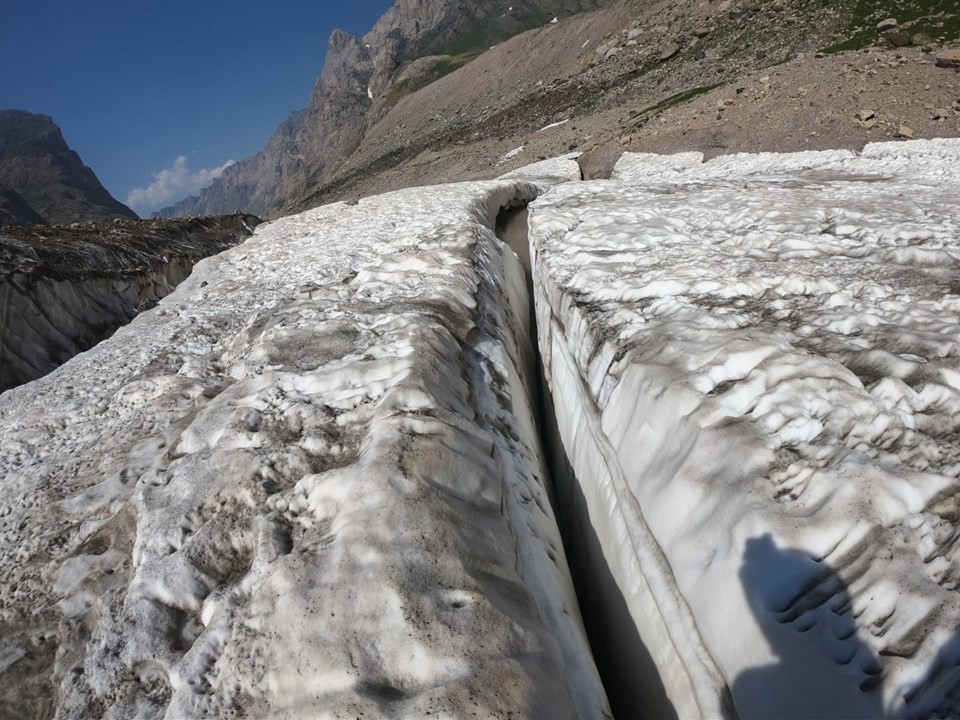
(173, 183)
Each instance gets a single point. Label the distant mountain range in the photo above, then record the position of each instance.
(414, 43)
(43, 181)
(450, 90)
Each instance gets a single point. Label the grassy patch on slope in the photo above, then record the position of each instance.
(675, 99)
(481, 35)
(932, 20)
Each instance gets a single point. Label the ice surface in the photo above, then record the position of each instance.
(307, 485)
(564, 167)
(755, 363)
(634, 167)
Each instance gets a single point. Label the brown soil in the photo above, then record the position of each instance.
(603, 72)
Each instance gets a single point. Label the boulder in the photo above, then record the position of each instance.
(948, 58)
(597, 163)
(668, 51)
(905, 132)
(901, 39)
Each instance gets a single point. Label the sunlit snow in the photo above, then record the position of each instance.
(311, 482)
(755, 365)
(308, 484)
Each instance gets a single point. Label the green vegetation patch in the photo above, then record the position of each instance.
(449, 63)
(481, 34)
(676, 99)
(933, 21)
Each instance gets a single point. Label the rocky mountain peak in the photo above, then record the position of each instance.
(20, 129)
(39, 171)
(359, 84)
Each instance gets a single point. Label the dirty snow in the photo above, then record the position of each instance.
(564, 167)
(307, 485)
(510, 155)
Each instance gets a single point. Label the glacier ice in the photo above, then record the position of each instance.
(310, 483)
(755, 365)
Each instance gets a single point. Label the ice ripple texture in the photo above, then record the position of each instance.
(756, 366)
(307, 485)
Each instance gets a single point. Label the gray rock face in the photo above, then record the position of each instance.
(357, 87)
(14, 210)
(49, 178)
(254, 182)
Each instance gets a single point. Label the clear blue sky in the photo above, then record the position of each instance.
(135, 85)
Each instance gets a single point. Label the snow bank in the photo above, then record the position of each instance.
(307, 485)
(564, 167)
(756, 368)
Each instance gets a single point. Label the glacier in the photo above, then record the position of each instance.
(308, 484)
(755, 364)
(696, 426)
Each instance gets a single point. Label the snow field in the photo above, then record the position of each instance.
(754, 362)
(307, 485)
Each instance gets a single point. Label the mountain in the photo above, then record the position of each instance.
(431, 100)
(14, 210)
(46, 177)
(415, 42)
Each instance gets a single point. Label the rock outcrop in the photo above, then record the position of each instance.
(357, 86)
(14, 210)
(49, 177)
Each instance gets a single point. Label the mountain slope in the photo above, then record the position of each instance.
(14, 210)
(37, 164)
(661, 77)
(362, 79)
(413, 104)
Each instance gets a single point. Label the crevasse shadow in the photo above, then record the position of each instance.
(822, 669)
(937, 694)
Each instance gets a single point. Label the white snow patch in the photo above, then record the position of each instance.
(564, 167)
(753, 361)
(553, 125)
(510, 155)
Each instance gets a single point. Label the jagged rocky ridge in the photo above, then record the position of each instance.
(64, 288)
(43, 180)
(739, 76)
(361, 79)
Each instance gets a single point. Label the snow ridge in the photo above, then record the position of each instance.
(308, 484)
(766, 349)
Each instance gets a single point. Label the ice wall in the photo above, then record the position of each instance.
(65, 288)
(307, 485)
(754, 363)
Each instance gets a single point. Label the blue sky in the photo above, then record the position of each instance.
(160, 94)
